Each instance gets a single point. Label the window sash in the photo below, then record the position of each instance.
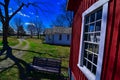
(97, 5)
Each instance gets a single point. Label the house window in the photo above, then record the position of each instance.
(49, 37)
(60, 37)
(68, 36)
(92, 31)
(92, 42)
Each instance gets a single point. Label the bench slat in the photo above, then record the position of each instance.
(46, 69)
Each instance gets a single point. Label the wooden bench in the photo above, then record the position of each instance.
(47, 65)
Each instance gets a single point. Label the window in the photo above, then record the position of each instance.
(68, 36)
(60, 37)
(49, 37)
(92, 27)
(92, 42)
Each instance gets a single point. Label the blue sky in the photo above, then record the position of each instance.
(46, 11)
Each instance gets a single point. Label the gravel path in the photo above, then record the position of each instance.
(6, 63)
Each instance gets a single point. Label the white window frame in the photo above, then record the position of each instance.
(95, 6)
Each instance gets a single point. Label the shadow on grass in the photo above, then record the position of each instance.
(56, 44)
(25, 70)
(39, 53)
(46, 76)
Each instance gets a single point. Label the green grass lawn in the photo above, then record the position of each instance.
(12, 41)
(49, 51)
(40, 49)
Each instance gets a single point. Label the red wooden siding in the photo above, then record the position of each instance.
(74, 6)
(76, 31)
(111, 62)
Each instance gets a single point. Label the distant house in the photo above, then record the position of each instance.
(58, 35)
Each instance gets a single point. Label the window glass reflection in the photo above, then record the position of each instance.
(91, 28)
(92, 17)
(99, 14)
(98, 26)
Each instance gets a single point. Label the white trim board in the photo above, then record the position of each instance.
(95, 6)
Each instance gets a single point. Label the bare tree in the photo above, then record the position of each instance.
(5, 17)
(11, 31)
(39, 26)
(68, 15)
(64, 19)
(31, 28)
(21, 31)
(60, 21)
(18, 23)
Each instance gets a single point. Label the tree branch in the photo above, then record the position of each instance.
(16, 11)
(1, 17)
(2, 4)
(22, 5)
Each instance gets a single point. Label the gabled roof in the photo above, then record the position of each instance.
(58, 30)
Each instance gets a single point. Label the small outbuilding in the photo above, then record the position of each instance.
(58, 36)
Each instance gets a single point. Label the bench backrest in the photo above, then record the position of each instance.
(47, 62)
(39, 61)
(53, 62)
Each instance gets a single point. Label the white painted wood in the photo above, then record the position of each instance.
(54, 39)
(87, 73)
(95, 6)
(102, 41)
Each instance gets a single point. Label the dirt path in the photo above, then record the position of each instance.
(20, 53)
(20, 42)
(6, 63)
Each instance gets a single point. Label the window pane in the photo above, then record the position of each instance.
(90, 55)
(97, 37)
(96, 48)
(99, 14)
(86, 19)
(91, 27)
(86, 28)
(85, 54)
(89, 65)
(92, 17)
(84, 62)
(94, 69)
(91, 38)
(95, 59)
(88, 38)
(86, 46)
(90, 47)
(85, 37)
(98, 26)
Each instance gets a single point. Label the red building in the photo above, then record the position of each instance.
(95, 46)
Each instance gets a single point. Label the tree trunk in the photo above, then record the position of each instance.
(38, 36)
(31, 34)
(5, 35)
(17, 33)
